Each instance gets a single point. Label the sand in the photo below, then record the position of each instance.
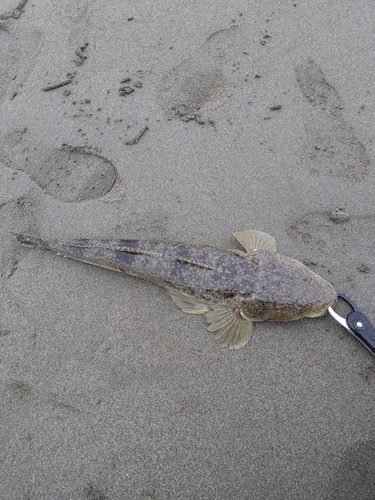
(183, 122)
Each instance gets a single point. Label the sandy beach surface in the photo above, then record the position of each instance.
(183, 121)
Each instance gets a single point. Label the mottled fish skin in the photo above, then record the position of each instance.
(230, 288)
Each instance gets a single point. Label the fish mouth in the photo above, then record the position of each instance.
(317, 312)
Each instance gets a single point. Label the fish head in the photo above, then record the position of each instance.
(287, 290)
(313, 294)
(319, 304)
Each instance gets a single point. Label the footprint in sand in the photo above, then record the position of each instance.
(332, 147)
(18, 50)
(197, 84)
(73, 174)
(70, 174)
(192, 87)
(12, 9)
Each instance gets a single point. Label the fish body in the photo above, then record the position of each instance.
(230, 288)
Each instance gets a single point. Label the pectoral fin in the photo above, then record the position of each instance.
(187, 303)
(253, 240)
(232, 330)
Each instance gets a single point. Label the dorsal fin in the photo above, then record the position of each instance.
(255, 240)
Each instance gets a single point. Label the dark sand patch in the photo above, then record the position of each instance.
(354, 477)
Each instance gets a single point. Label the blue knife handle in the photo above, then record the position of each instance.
(359, 325)
(362, 329)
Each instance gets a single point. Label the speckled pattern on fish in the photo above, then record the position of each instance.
(230, 288)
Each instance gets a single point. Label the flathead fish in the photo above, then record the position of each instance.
(231, 288)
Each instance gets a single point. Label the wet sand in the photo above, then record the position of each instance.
(183, 123)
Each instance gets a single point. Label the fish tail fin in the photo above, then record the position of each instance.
(27, 240)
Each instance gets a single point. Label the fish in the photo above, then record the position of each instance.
(231, 289)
